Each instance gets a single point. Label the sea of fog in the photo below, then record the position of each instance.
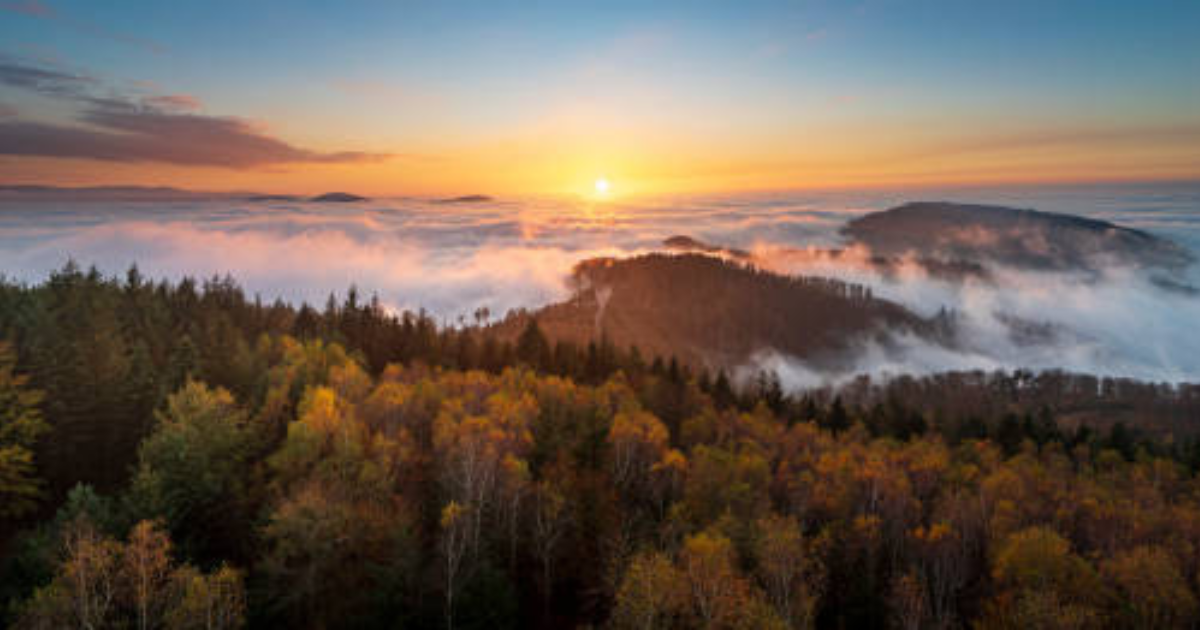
(450, 259)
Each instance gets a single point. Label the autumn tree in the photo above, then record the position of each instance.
(106, 583)
(1150, 590)
(473, 449)
(1042, 583)
(650, 594)
(454, 543)
(336, 529)
(644, 467)
(715, 589)
(790, 570)
(84, 590)
(214, 601)
(146, 573)
(722, 482)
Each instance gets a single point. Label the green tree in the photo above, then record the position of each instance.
(532, 347)
(20, 426)
(837, 419)
(193, 468)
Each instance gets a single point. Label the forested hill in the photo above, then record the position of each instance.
(177, 452)
(969, 233)
(717, 313)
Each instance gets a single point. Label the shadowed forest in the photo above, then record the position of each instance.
(709, 311)
(180, 455)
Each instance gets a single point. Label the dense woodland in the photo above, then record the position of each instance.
(1166, 410)
(181, 456)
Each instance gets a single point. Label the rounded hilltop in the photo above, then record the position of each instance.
(338, 197)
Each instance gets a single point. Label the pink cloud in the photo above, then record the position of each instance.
(32, 8)
(119, 127)
(173, 102)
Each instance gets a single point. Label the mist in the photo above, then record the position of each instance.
(452, 259)
(1120, 323)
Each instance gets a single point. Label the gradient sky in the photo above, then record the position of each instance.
(493, 97)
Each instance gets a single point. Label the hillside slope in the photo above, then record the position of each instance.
(1020, 238)
(717, 313)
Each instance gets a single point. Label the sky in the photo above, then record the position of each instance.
(449, 98)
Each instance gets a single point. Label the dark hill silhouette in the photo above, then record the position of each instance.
(957, 242)
(34, 192)
(685, 243)
(717, 313)
(338, 197)
(466, 199)
(1021, 238)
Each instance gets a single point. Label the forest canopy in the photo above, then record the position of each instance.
(179, 455)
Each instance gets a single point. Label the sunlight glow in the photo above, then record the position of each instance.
(602, 187)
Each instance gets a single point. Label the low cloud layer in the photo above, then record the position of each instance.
(1120, 323)
(111, 125)
(510, 254)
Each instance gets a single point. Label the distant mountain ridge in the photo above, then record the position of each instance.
(956, 242)
(112, 193)
(684, 243)
(466, 199)
(154, 193)
(1023, 238)
(338, 197)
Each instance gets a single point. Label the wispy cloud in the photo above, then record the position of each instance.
(45, 81)
(169, 128)
(43, 11)
(150, 136)
(173, 102)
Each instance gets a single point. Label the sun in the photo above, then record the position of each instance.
(602, 187)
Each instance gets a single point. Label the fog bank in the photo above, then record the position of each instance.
(452, 259)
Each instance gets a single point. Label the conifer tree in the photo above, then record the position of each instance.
(21, 425)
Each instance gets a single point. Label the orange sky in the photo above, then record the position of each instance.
(428, 99)
(568, 166)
